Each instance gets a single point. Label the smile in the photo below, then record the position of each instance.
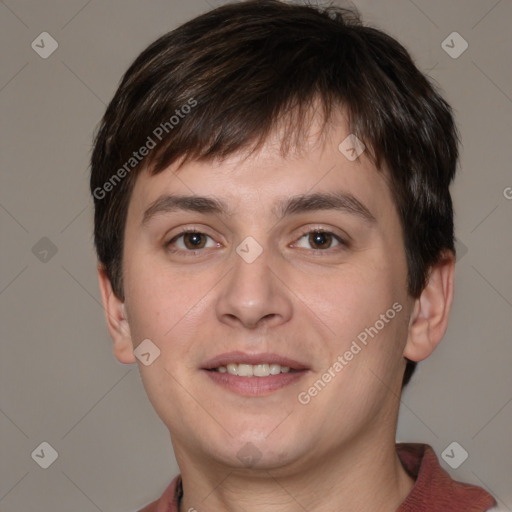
(253, 370)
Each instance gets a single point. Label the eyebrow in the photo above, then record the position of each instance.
(339, 201)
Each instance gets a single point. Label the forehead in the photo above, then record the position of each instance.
(263, 182)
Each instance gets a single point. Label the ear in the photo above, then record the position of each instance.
(117, 321)
(429, 319)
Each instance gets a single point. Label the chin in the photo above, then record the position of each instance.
(260, 451)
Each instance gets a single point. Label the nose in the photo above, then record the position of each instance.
(254, 294)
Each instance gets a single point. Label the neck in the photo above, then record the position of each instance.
(362, 476)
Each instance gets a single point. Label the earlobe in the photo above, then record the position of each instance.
(429, 319)
(117, 321)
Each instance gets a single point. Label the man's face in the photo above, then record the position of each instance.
(259, 283)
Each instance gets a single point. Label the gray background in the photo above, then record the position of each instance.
(60, 382)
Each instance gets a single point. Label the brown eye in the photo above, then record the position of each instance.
(320, 240)
(188, 241)
(194, 240)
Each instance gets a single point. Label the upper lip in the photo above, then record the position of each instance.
(243, 358)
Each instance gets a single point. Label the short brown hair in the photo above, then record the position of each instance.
(247, 65)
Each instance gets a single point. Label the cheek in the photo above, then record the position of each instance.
(150, 300)
(354, 298)
(365, 309)
(168, 307)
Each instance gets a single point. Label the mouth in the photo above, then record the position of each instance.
(253, 374)
(253, 370)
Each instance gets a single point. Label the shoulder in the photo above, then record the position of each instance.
(150, 508)
(169, 501)
(434, 488)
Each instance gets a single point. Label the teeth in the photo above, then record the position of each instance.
(256, 370)
(232, 369)
(275, 369)
(245, 370)
(261, 370)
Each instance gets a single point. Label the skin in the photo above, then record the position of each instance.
(297, 299)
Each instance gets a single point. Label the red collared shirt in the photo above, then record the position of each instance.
(433, 491)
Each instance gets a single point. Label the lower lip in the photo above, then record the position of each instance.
(254, 386)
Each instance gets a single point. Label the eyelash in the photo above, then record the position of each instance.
(167, 245)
